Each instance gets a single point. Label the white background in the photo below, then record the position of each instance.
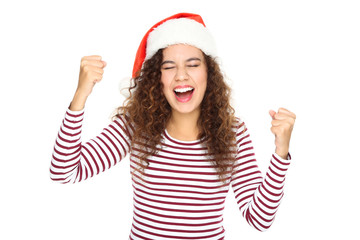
(301, 55)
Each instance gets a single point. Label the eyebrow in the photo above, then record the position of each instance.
(188, 60)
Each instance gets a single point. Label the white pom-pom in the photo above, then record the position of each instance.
(124, 86)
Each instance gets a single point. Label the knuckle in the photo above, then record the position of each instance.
(84, 62)
(85, 58)
(98, 76)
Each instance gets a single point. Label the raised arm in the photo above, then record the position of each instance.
(73, 161)
(258, 198)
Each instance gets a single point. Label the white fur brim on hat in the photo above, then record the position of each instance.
(124, 85)
(181, 30)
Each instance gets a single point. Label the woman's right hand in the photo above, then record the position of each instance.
(91, 72)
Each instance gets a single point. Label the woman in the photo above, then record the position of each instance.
(186, 146)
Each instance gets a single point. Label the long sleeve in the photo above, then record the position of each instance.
(73, 161)
(258, 198)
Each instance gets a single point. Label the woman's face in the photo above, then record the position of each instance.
(184, 76)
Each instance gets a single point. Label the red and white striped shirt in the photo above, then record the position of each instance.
(180, 196)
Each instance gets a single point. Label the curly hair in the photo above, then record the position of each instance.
(149, 112)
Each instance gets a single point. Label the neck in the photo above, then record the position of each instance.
(184, 126)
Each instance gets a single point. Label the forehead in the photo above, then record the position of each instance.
(181, 51)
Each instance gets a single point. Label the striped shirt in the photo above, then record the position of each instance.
(180, 196)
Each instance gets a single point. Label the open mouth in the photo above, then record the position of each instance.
(184, 94)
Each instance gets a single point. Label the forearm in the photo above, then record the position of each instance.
(267, 197)
(78, 101)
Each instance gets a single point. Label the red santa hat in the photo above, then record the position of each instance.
(185, 28)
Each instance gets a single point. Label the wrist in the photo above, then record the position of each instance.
(283, 153)
(78, 102)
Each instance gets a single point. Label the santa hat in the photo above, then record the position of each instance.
(185, 28)
(181, 28)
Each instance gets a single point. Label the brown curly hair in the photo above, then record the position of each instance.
(149, 112)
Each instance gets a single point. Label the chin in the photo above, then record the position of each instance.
(186, 110)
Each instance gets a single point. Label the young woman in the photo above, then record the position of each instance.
(186, 146)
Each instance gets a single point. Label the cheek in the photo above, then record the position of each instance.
(166, 78)
(166, 86)
(203, 82)
(163, 81)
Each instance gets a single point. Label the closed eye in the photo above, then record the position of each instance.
(196, 65)
(166, 68)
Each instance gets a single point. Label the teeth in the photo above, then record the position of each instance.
(182, 90)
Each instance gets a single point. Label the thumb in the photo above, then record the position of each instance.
(272, 114)
(104, 63)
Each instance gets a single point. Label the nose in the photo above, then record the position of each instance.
(181, 74)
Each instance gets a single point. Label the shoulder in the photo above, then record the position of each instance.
(242, 134)
(124, 124)
(239, 125)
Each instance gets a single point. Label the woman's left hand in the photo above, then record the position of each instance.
(282, 126)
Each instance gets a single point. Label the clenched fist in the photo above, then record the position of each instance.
(91, 72)
(281, 126)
